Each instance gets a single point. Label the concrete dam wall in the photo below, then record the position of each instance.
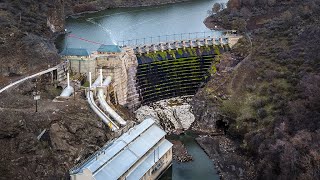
(175, 72)
(149, 73)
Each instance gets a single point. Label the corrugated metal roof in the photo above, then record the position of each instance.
(117, 157)
(151, 160)
(111, 150)
(109, 48)
(119, 164)
(74, 52)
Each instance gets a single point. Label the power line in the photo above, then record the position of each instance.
(83, 39)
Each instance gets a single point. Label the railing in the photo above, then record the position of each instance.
(167, 38)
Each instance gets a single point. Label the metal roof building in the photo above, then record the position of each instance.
(109, 49)
(74, 52)
(141, 153)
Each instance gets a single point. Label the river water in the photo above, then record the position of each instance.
(165, 22)
(200, 168)
(116, 25)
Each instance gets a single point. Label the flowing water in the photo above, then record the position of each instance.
(165, 22)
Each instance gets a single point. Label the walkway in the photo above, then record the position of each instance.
(30, 77)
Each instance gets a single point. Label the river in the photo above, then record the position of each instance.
(165, 22)
(200, 168)
(116, 25)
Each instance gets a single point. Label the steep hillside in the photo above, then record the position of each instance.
(272, 99)
(28, 28)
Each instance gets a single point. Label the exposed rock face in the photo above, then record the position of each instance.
(172, 114)
(56, 16)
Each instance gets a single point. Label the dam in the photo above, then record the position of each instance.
(164, 56)
(147, 73)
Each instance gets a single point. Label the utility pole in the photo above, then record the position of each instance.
(36, 95)
(74, 90)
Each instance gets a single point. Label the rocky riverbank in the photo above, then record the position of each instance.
(225, 154)
(174, 115)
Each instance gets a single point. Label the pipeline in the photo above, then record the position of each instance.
(68, 90)
(97, 82)
(104, 105)
(100, 113)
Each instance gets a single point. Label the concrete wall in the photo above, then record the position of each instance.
(85, 175)
(115, 67)
(153, 172)
(83, 66)
(166, 160)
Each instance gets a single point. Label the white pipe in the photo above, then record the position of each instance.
(101, 79)
(68, 90)
(89, 80)
(104, 105)
(100, 113)
(107, 81)
(28, 77)
(68, 79)
(97, 81)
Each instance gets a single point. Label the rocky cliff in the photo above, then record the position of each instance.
(270, 99)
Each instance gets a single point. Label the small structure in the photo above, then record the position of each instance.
(75, 53)
(79, 59)
(141, 153)
(109, 49)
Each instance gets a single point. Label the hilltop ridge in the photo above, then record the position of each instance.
(270, 100)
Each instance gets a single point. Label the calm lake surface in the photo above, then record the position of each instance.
(166, 22)
(116, 25)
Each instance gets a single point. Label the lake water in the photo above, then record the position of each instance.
(113, 26)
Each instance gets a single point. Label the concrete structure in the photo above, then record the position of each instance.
(79, 60)
(114, 61)
(123, 64)
(141, 153)
(228, 39)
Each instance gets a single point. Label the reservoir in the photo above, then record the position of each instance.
(152, 25)
(165, 22)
